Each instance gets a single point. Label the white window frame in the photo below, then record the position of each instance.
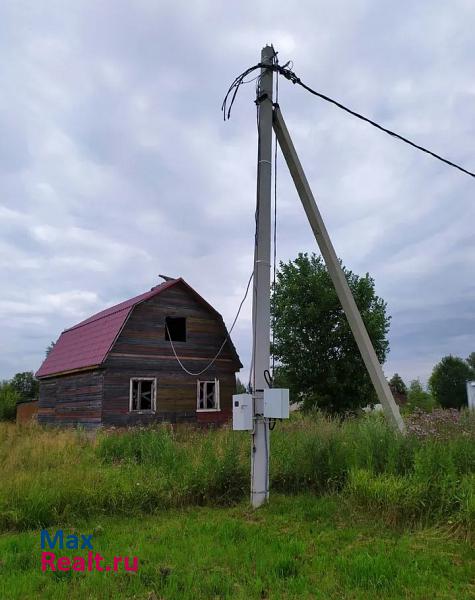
(154, 395)
(216, 395)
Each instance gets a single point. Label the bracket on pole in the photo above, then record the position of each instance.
(343, 291)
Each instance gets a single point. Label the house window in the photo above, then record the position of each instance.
(175, 329)
(143, 391)
(208, 395)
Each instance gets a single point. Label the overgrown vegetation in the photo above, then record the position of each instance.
(418, 398)
(296, 547)
(23, 387)
(8, 401)
(51, 476)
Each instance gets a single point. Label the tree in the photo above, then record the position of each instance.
(397, 384)
(447, 382)
(49, 348)
(417, 397)
(471, 360)
(8, 401)
(25, 385)
(317, 356)
(240, 387)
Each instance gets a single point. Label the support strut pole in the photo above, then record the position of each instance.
(336, 273)
(261, 296)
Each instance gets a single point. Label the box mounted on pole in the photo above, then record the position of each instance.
(253, 411)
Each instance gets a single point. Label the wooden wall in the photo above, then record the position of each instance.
(100, 396)
(26, 411)
(74, 399)
(141, 350)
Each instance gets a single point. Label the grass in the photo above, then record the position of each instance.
(296, 547)
(51, 476)
(356, 511)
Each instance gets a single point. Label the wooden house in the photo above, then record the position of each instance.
(119, 367)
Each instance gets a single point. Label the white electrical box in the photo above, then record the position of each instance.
(242, 412)
(471, 394)
(276, 403)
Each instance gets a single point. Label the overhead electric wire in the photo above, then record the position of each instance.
(291, 76)
(209, 365)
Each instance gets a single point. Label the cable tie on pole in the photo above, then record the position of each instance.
(261, 99)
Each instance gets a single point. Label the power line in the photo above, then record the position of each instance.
(209, 365)
(291, 76)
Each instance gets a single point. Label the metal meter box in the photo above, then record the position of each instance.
(276, 403)
(242, 412)
(471, 394)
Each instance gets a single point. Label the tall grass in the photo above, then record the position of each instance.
(51, 476)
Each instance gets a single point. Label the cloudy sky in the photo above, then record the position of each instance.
(116, 165)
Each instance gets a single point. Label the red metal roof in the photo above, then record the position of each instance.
(88, 343)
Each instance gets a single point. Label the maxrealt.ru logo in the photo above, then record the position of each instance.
(93, 561)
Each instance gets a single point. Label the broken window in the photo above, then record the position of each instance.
(142, 394)
(208, 395)
(175, 329)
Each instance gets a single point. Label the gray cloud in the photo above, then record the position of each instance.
(115, 164)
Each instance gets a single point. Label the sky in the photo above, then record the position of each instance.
(116, 164)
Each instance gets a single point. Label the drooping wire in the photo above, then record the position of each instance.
(291, 76)
(233, 90)
(209, 365)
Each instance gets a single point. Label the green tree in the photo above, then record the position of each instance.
(49, 348)
(397, 384)
(8, 401)
(317, 356)
(240, 387)
(26, 385)
(417, 397)
(447, 382)
(471, 360)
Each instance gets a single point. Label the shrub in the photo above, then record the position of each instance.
(8, 400)
(442, 424)
(418, 398)
(51, 476)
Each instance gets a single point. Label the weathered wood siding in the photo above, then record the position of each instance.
(141, 350)
(74, 399)
(27, 411)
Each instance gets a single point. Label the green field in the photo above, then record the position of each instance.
(356, 511)
(297, 547)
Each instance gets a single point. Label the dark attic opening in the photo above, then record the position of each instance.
(175, 329)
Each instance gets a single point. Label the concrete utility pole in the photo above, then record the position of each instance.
(336, 273)
(261, 296)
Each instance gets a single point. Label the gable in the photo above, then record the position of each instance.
(87, 344)
(144, 333)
